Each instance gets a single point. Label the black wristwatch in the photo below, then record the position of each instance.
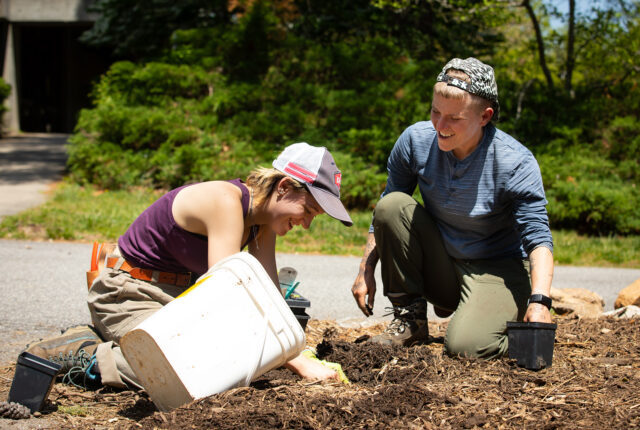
(540, 298)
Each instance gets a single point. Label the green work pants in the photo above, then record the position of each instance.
(484, 294)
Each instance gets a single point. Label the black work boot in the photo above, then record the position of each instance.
(408, 327)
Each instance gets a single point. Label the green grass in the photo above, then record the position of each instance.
(570, 248)
(86, 214)
(79, 214)
(74, 410)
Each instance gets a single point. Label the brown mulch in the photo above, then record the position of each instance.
(594, 383)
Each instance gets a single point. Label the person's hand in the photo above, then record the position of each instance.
(537, 312)
(311, 369)
(364, 291)
(364, 288)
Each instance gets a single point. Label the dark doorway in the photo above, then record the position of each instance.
(55, 75)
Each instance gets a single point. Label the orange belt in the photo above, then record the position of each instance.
(178, 279)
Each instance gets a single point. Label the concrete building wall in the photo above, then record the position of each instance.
(49, 71)
(46, 10)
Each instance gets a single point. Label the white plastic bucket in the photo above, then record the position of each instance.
(232, 326)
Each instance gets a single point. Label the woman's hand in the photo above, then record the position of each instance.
(310, 369)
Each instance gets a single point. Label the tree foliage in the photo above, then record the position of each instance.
(218, 87)
(5, 90)
(142, 29)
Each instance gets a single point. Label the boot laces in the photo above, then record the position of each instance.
(79, 366)
(403, 315)
(70, 359)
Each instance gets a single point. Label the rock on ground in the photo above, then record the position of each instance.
(577, 302)
(630, 295)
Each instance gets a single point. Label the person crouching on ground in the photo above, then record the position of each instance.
(481, 244)
(181, 236)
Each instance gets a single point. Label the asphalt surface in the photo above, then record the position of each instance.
(29, 164)
(43, 284)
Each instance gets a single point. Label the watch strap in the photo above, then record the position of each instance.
(540, 298)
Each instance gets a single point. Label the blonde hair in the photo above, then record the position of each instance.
(264, 180)
(451, 92)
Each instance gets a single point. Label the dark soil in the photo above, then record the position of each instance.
(594, 383)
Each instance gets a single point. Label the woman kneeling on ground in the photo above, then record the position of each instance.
(178, 238)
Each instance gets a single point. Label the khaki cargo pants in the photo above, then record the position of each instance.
(118, 303)
(484, 294)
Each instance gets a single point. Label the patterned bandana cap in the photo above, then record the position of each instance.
(314, 167)
(483, 80)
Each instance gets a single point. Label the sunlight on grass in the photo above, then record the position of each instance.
(328, 236)
(74, 410)
(79, 213)
(570, 248)
(86, 214)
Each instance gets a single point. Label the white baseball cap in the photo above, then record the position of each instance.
(315, 168)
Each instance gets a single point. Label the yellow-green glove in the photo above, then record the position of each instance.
(311, 354)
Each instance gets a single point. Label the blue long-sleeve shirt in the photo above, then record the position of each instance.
(489, 205)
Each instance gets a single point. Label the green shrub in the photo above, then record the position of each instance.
(154, 83)
(5, 90)
(622, 139)
(588, 192)
(596, 207)
(362, 183)
(162, 124)
(225, 99)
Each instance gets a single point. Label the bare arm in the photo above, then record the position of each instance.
(221, 220)
(263, 248)
(541, 260)
(364, 287)
(212, 209)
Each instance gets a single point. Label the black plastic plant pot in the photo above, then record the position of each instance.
(303, 319)
(32, 381)
(298, 306)
(531, 343)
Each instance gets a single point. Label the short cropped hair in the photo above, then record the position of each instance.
(451, 92)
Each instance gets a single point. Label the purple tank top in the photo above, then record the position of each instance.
(155, 241)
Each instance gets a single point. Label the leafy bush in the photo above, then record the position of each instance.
(5, 90)
(622, 139)
(229, 97)
(164, 124)
(597, 207)
(588, 192)
(153, 83)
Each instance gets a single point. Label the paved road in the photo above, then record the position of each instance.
(29, 164)
(43, 284)
(43, 288)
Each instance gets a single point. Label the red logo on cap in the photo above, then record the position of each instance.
(337, 179)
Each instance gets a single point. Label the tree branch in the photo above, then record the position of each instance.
(570, 42)
(521, 95)
(541, 55)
